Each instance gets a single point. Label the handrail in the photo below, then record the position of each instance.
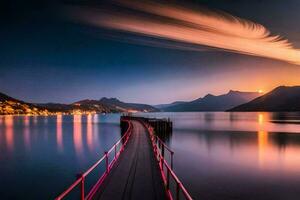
(156, 142)
(81, 179)
(165, 146)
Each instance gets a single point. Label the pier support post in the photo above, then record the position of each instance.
(177, 191)
(168, 179)
(82, 187)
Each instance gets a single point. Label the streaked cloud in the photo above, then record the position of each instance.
(190, 27)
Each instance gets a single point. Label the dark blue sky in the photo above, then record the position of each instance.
(45, 57)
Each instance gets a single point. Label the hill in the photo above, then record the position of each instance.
(282, 98)
(116, 105)
(12, 106)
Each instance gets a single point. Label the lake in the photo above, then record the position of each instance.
(217, 155)
(40, 156)
(237, 155)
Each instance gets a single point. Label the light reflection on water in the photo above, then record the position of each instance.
(89, 133)
(40, 156)
(27, 132)
(237, 155)
(77, 135)
(59, 133)
(217, 155)
(9, 132)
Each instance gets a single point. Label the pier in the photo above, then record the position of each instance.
(136, 167)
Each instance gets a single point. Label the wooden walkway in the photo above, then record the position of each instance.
(136, 174)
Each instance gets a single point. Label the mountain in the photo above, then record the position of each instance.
(12, 106)
(4, 97)
(162, 106)
(214, 103)
(282, 98)
(117, 106)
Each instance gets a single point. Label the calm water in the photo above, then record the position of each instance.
(237, 155)
(217, 155)
(40, 156)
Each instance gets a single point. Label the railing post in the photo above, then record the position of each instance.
(168, 179)
(177, 191)
(162, 163)
(82, 187)
(106, 161)
(159, 144)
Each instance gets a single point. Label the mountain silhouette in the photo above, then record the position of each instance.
(214, 103)
(282, 98)
(12, 106)
(162, 106)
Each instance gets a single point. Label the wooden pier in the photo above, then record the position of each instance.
(138, 169)
(136, 175)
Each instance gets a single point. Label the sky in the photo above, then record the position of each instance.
(151, 52)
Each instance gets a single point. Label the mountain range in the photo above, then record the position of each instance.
(211, 102)
(280, 99)
(9, 105)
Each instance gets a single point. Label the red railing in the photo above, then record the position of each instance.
(159, 148)
(108, 165)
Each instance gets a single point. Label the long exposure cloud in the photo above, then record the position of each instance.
(190, 26)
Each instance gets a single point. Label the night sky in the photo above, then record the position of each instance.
(47, 56)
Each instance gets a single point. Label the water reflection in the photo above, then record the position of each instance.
(89, 132)
(27, 132)
(209, 117)
(45, 120)
(31, 149)
(9, 131)
(77, 135)
(237, 155)
(35, 119)
(96, 131)
(262, 146)
(59, 133)
(260, 118)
